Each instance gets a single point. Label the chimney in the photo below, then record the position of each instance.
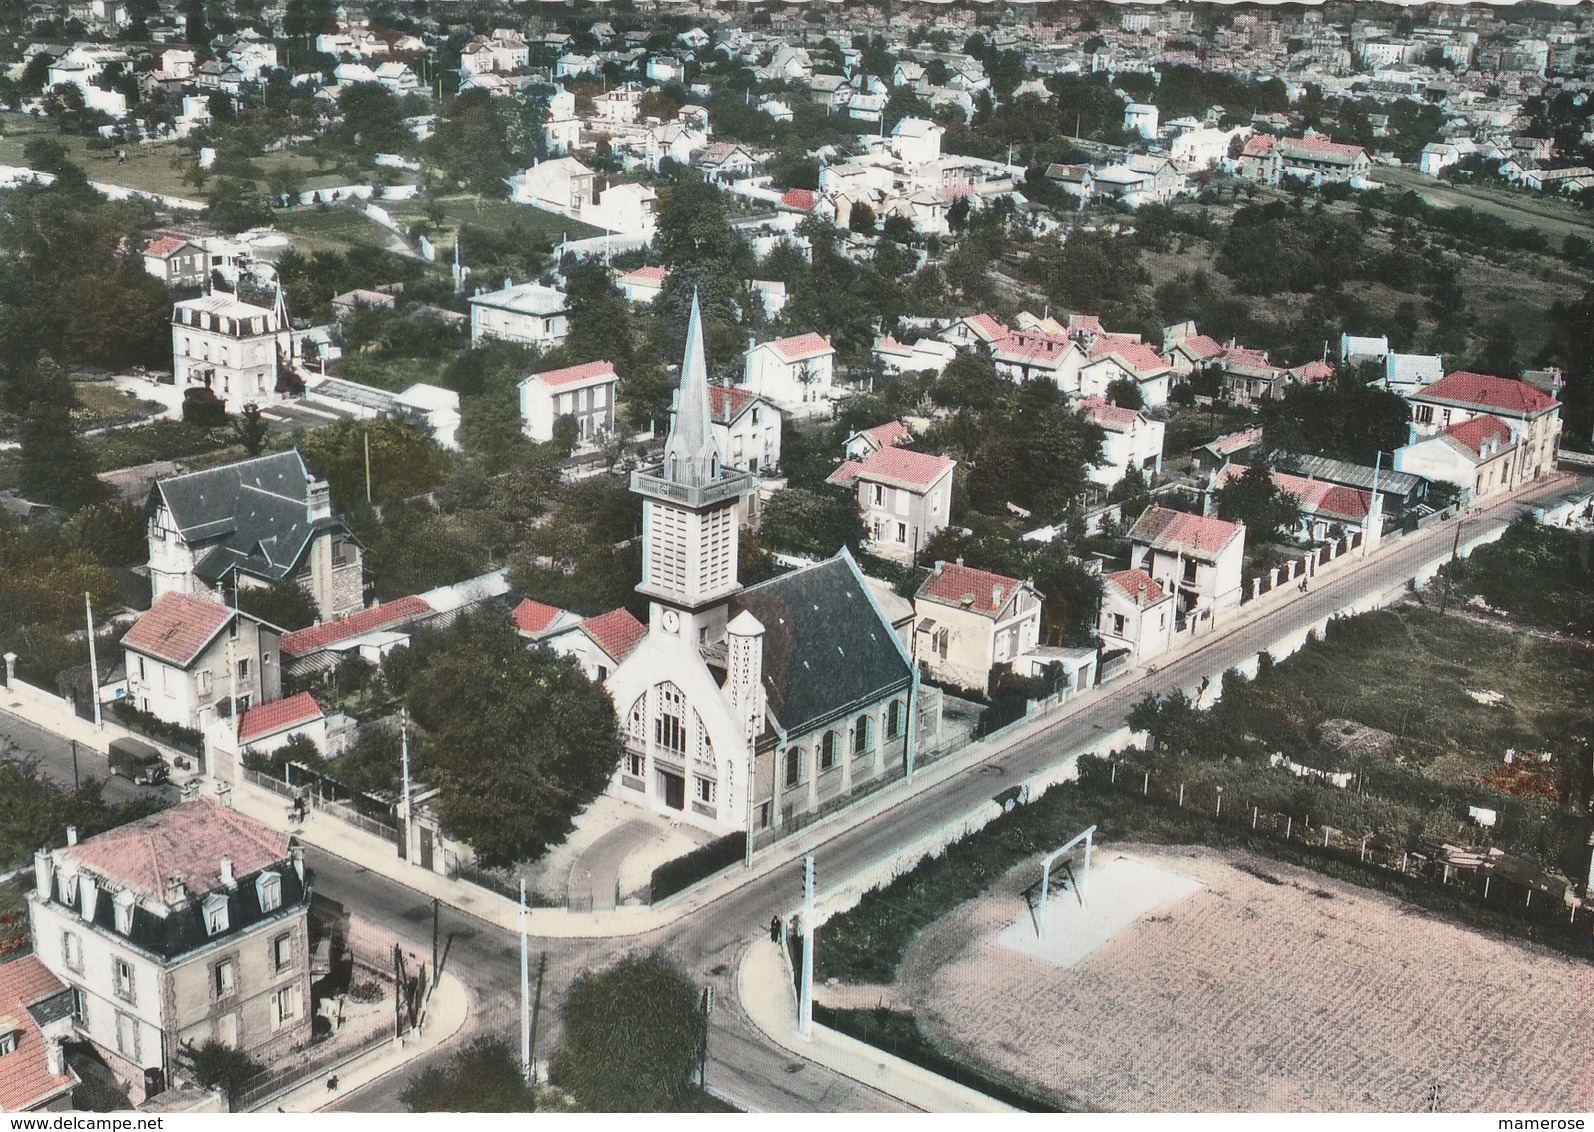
(43, 873)
(71, 835)
(960, 560)
(174, 888)
(226, 871)
(54, 1060)
(89, 888)
(1140, 594)
(296, 854)
(224, 794)
(996, 595)
(319, 504)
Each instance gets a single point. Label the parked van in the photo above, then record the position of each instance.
(138, 761)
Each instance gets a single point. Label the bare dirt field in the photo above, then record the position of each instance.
(1271, 988)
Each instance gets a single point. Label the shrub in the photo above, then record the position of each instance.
(173, 735)
(704, 861)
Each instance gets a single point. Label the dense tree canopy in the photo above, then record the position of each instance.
(1255, 500)
(517, 740)
(483, 1077)
(1345, 419)
(631, 1039)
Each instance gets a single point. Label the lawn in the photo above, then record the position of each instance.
(1197, 424)
(335, 228)
(494, 216)
(156, 167)
(102, 402)
(1521, 208)
(390, 371)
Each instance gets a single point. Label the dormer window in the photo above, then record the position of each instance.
(9, 1041)
(69, 889)
(269, 889)
(124, 912)
(216, 919)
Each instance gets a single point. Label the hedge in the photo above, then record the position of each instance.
(182, 738)
(704, 861)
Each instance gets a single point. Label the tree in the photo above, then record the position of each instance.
(222, 1067)
(403, 459)
(1255, 500)
(1345, 419)
(250, 428)
(861, 218)
(373, 119)
(56, 468)
(1125, 393)
(202, 408)
(606, 1062)
(235, 205)
(553, 735)
(818, 520)
(695, 232)
(283, 604)
(485, 1076)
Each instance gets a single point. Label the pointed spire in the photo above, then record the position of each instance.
(690, 456)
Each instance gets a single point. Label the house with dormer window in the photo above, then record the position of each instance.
(188, 926)
(255, 522)
(970, 620)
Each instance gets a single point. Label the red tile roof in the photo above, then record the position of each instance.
(177, 628)
(1313, 371)
(800, 346)
(1083, 324)
(888, 434)
(190, 840)
(1200, 534)
(1130, 581)
(273, 716)
(616, 632)
(1473, 433)
(534, 616)
(25, 1077)
(1032, 347)
(1245, 356)
(647, 275)
(1137, 356)
(573, 375)
(1104, 412)
(1259, 145)
(164, 246)
(987, 327)
(800, 199)
(983, 591)
(328, 633)
(1320, 147)
(1317, 498)
(894, 465)
(1500, 394)
(886, 344)
(1201, 347)
(726, 402)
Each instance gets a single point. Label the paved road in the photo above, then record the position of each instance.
(743, 1064)
(21, 740)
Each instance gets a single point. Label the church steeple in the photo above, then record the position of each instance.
(690, 455)
(689, 512)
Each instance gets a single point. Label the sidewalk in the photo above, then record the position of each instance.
(446, 1012)
(333, 836)
(764, 986)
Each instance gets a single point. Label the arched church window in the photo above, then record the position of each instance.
(669, 724)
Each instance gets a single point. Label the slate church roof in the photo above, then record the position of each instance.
(827, 648)
(253, 515)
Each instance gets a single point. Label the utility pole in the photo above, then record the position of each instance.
(536, 1013)
(707, 1007)
(436, 958)
(94, 663)
(404, 758)
(368, 465)
(805, 1004)
(75, 782)
(525, 990)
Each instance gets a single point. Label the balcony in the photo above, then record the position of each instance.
(731, 485)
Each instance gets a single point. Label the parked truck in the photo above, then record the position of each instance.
(138, 761)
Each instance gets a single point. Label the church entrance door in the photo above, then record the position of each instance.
(674, 790)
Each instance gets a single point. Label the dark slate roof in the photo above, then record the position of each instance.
(827, 649)
(1351, 475)
(252, 515)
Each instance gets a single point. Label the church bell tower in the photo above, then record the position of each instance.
(689, 513)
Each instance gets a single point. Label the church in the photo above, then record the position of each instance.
(757, 708)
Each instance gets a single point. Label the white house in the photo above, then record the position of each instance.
(904, 498)
(235, 349)
(967, 621)
(643, 284)
(1354, 350)
(1137, 614)
(795, 373)
(1133, 440)
(746, 429)
(191, 661)
(1141, 118)
(561, 185)
(185, 927)
(585, 393)
(916, 141)
(522, 312)
(926, 355)
(1197, 558)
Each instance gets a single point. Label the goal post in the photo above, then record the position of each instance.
(1080, 883)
